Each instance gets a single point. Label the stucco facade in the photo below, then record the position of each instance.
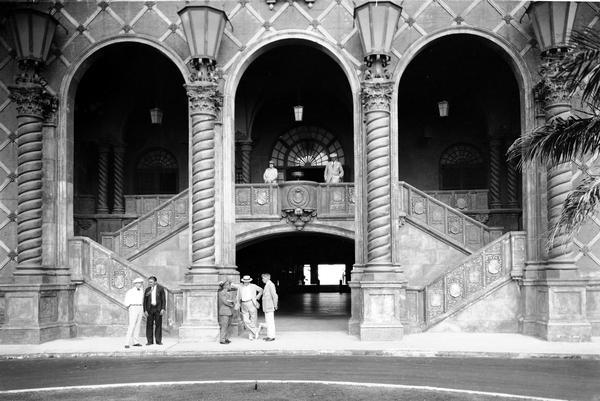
(425, 257)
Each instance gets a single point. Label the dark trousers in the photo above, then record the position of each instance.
(154, 323)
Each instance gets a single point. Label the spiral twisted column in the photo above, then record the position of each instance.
(33, 103)
(246, 149)
(557, 104)
(204, 102)
(495, 172)
(118, 162)
(102, 200)
(512, 180)
(376, 98)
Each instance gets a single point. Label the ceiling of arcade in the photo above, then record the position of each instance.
(87, 23)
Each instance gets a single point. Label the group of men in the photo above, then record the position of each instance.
(247, 301)
(333, 174)
(151, 303)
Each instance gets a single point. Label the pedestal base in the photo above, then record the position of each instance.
(381, 299)
(36, 313)
(555, 310)
(200, 318)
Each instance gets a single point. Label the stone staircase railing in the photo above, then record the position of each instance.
(474, 277)
(107, 272)
(161, 222)
(445, 220)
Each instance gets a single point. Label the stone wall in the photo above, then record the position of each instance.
(498, 311)
(424, 257)
(97, 315)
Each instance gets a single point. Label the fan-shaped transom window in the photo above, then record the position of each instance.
(462, 167)
(156, 173)
(306, 149)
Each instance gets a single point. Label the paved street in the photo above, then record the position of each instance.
(553, 378)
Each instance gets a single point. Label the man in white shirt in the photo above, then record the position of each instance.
(270, 175)
(133, 302)
(247, 300)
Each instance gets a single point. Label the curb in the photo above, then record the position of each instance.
(354, 352)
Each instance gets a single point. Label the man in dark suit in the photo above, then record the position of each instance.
(154, 308)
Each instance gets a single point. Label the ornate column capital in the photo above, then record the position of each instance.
(33, 99)
(377, 94)
(205, 97)
(552, 90)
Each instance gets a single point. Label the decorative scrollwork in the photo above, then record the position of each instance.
(299, 217)
(377, 95)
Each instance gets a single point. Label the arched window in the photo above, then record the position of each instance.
(305, 149)
(462, 167)
(156, 173)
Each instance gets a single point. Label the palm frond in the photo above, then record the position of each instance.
(581, 203)
(581, 66)
(561, 141)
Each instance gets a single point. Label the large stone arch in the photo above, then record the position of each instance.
(65, 128)
(532, 187)
(250, 236)
(233, 76)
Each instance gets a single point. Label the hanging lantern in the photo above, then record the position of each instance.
(156, 116)
(377, 23)
(32, 32)
(443, 108)
(298, 112)
(552, 22)
(203, 27)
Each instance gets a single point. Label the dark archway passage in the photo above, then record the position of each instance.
(311, 273)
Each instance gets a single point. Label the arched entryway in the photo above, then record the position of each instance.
(130, 139)
(459, 108)
(311, 272)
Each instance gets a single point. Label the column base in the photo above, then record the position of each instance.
(556, 310)
(37, 313)
(200, 319)
(382, 297)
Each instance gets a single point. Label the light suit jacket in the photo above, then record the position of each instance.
(269, 298)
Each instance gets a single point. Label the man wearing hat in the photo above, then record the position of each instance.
(334, 172)
(270, 175)
(248, 296)
(133, 302)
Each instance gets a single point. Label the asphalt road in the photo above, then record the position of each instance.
(554, 378)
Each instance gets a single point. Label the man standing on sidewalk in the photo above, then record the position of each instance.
(247, 299)
(154, 307)
(269, 304)
(133, 302)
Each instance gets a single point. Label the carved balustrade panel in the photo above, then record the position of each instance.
(141, 204)
(463, 200)
(159, 221)
(444, 219)
(336, 200)
(256, 201)
(492, 264)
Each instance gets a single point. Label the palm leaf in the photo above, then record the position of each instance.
(579, 205)
(561, 141)
(581, 66)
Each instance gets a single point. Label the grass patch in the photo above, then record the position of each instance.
(248, 392)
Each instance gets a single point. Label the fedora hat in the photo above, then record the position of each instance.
(246, 279)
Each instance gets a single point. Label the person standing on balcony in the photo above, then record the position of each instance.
(248, 296)
(334, 172)
(133, 302)
(270, 175)
(269, 303)
(154, 309)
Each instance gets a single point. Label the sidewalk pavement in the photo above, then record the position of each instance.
(319, 343)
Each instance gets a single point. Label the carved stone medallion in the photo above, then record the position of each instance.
(436, 300)
(419, 207)
(298, 197)
(455, 290)
(262, 197)
(130, 239)
(164, 218)
(494, 266)
(118, 279)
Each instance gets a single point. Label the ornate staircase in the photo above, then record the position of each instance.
(110, 275)
(490, 259)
